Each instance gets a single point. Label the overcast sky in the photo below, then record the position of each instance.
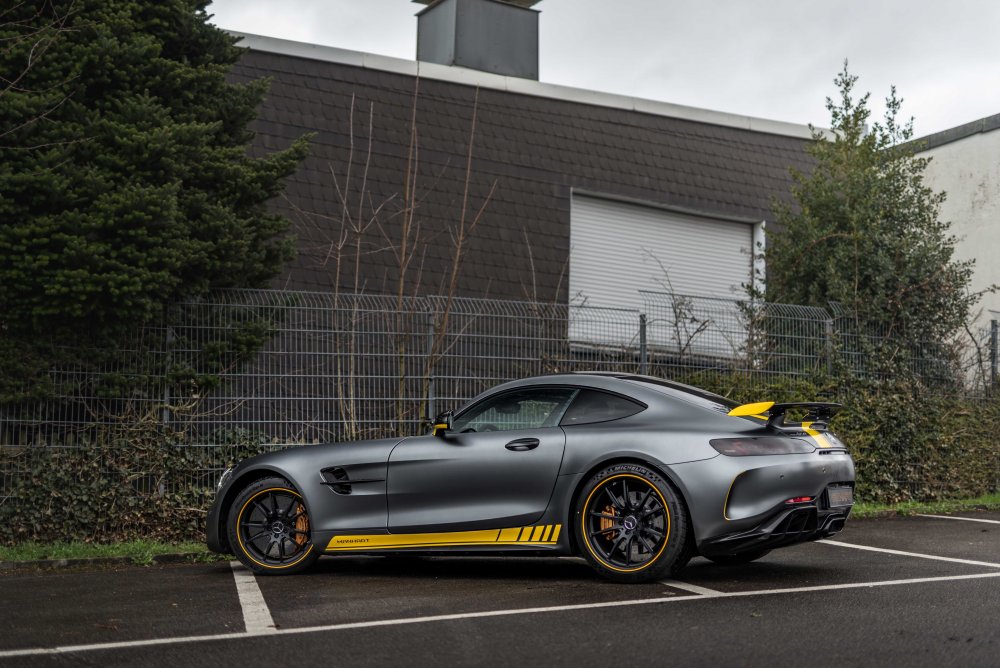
(767, 58)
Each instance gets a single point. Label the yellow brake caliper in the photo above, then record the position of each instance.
(607, 524)
(301, 524)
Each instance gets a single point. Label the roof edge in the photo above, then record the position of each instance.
(980, 126)
(470, 77)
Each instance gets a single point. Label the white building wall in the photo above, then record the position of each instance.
(968, 170)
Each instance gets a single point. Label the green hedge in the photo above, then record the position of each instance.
(141, 484)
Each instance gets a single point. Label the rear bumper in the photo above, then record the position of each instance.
(741, 503)
(785, 527)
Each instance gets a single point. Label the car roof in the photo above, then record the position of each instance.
(666, 386)
(635, 385)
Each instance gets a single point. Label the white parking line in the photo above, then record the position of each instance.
(69, 649)
(952, 517)
(256, 616)
(694, 589)
(910, 554)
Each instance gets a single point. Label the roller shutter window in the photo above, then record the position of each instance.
(619, 248)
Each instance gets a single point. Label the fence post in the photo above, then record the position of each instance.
(643, 359)
(168, 347)
(828, 326)
(429, 365)
(993, 353)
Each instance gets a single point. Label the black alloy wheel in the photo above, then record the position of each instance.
(269, 528)
(632, 525)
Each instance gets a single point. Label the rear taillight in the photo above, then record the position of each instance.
(799, 499)
(762, 445)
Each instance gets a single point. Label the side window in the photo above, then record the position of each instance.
(522, 409)
(594, 406)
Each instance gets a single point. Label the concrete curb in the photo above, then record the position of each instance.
(56, 564)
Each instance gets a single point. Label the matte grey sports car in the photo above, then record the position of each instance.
(634, 473)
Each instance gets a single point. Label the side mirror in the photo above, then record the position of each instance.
(442, 424)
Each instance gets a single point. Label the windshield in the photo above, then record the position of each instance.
(529, 408)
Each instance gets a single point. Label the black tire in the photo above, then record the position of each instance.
(268, 528)
(631, 525)
(738, 559)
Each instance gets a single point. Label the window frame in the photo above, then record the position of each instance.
(641, 404)
(574, 392)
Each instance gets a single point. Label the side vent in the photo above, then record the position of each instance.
(337, 479)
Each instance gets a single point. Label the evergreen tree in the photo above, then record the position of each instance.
(125, 182)
(865, 232)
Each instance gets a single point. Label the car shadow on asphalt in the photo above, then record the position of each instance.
(761, 574)
(455, 568)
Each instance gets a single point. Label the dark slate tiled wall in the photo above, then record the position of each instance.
(534, 149)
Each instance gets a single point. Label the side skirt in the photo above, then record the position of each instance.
(546, 535)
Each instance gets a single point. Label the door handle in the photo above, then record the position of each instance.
(522, 444)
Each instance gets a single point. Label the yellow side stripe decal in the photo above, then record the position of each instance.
(509, 535)
(546, 534)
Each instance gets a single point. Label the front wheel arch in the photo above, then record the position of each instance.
(245, 479)
(289, 548)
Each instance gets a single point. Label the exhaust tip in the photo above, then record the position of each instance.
(834, 525)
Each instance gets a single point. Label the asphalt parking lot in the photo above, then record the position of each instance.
(916, 590)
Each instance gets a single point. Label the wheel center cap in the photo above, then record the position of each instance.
(277, 527)
(630, 523)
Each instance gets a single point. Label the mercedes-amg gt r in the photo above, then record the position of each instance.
(634, 473)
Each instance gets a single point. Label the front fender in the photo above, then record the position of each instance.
(301, 466)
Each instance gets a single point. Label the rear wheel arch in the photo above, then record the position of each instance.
(665, 473)
(636, 537)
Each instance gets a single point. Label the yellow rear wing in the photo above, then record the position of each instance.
(819, 412)
(757, 410)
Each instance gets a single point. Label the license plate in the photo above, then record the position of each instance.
(840, 496)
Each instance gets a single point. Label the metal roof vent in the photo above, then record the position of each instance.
(498, 36)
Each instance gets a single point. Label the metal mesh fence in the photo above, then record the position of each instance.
(277, 368)
(486, 342)
(688, 332)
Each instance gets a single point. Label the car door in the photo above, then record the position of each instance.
(496, 467)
